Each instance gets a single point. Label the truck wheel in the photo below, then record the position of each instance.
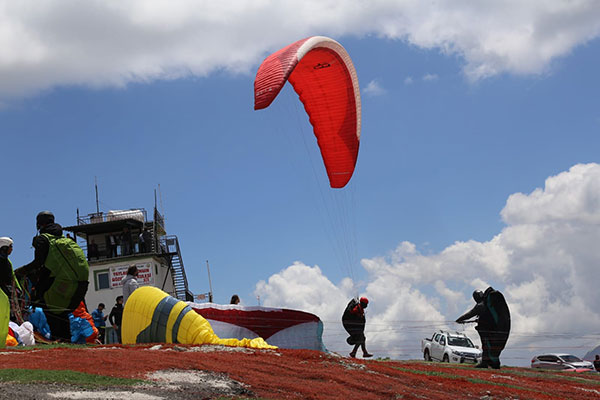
(426, 355)
(446, 358)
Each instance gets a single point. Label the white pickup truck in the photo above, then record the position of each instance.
(450, 347)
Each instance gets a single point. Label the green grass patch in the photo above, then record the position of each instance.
(567, 376)
(64, 377)
(468, 379)
(50, 346)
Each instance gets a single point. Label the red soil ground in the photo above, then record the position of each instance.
(305, 374)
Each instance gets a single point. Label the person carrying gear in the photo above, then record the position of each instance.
(354, 321)
(7, 275)
(8, 281)
(59, 274)
(493, 325)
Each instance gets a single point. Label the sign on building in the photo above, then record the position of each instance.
(145, 274)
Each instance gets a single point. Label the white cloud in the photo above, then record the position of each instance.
(430, 77)
(408, 80)
(99, 43)
(545, 262)
(374, 88)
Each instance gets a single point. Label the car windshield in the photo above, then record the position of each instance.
(570, 358)
(459, 341)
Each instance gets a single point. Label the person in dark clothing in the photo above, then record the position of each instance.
(59, 274)
(111, 245)
(493, 325)
(93, 251)
(354, 322)
(126, 242)
(597, 363)
(145, 241)
(116, 316)
(8, 281)
(7, 276)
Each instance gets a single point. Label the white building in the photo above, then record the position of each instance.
(115, 241)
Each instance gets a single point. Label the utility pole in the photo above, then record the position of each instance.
(210, 293)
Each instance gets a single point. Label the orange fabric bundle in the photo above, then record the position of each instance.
(82, 313)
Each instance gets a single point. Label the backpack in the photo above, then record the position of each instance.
(498, 310)
(347, 312)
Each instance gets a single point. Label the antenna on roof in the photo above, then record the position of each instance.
(97, 203)
(162, 209)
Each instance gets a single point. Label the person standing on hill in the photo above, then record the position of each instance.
(59, 273)
(597, 363)
(116, 316)
(7, 275)
(100, 321)
(130, 283)
(493, 325)
(354, 322)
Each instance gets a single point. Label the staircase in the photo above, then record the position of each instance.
(170, 249)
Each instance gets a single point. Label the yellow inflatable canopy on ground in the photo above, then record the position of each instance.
(152, 316)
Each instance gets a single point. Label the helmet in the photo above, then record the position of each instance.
(364, 301)
(44, 218)
(5, 241)
(477, 296)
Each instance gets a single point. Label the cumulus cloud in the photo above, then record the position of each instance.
(98, 43)
(374, 88)
(408, 80)
(544, 260)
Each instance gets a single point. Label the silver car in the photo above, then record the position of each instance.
(560, 361)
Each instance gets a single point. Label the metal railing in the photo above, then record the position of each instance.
(103, 251)
(138, 214)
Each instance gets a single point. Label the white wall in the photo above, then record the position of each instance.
(108, 296)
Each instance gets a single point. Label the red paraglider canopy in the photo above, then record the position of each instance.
(322, 73)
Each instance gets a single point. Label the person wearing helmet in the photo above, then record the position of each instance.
(493, 325)
(354, 322)
(7, 275)
(59, 274)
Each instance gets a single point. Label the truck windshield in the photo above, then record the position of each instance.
(460, 341)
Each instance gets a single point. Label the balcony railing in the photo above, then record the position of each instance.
(138, 214)
(102, 251)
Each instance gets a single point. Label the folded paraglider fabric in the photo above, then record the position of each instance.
(11, 341)
(23, 333)
(152, 316)
(91, 333)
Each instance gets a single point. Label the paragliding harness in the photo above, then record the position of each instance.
(21, 305)
(354, 324)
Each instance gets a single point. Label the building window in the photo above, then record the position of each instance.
(101, 279)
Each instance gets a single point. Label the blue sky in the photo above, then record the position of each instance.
(442, 150)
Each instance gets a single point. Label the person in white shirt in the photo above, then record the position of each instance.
(130, 283)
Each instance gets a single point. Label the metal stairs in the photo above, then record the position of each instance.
(170, 248)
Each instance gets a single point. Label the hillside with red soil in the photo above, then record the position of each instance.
(305, 374)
